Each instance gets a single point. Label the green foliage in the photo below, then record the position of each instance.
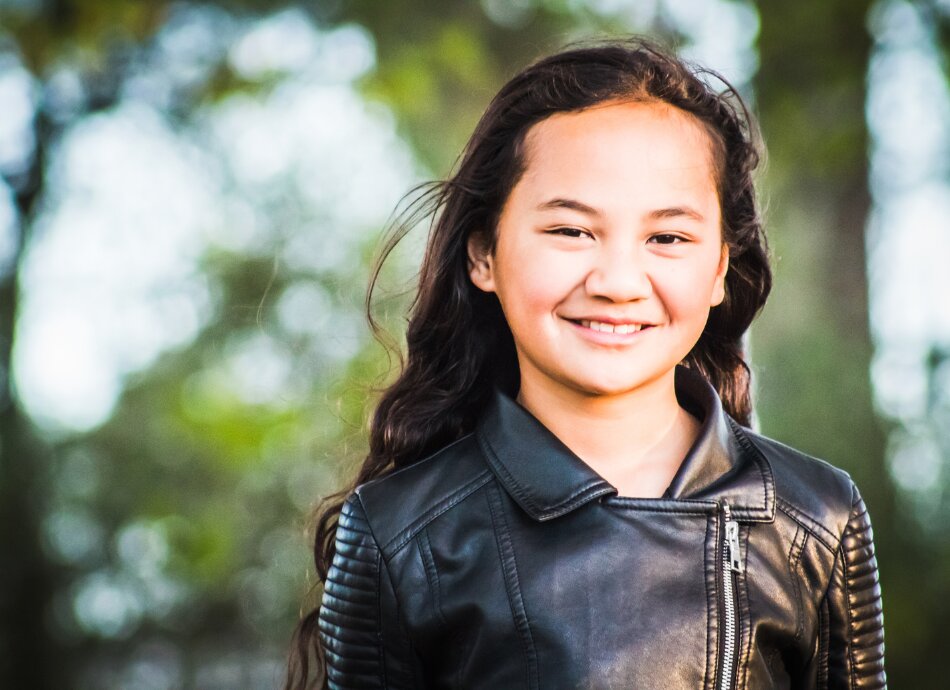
(439, 63)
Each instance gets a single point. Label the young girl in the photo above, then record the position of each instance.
(562, 490)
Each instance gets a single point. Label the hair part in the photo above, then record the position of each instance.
(458, 344)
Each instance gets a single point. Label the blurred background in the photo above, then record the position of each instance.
(191, 194)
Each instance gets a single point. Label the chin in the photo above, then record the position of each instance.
(615, 383)
(614, 386)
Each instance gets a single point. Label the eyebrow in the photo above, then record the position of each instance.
(657, 214)
(571, 204)
(677, 212)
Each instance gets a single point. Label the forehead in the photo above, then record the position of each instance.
(620, 138)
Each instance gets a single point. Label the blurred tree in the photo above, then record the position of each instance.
(441, 62)
(812, 346)
(918, 31)
(101, 42)
(27, 643)
(937, 14)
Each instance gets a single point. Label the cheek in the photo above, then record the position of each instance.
(687, 291)
(533, 285)
(528, 293)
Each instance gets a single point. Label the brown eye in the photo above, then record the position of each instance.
(568, 232)
(666, 238)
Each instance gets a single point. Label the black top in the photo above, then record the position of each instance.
(505, 561)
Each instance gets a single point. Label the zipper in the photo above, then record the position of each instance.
(731, 564)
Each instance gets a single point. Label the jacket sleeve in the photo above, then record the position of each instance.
(364, 642)
(855, 617)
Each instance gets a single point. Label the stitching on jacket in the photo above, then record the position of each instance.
(452, 500)
(816, 529)
(847, 597)
(380, 566)
(764, 467)
(823, 643)
(794, 559)
(432, 573)
(703, 507)
(847, 589)
(380, 645)
(574, 500)
(512, 585)
(826, 605)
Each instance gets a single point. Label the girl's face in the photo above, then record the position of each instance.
(609, 252)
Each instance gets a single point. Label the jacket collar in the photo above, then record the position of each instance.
(547, 479)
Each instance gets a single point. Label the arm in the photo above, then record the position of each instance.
(364, 641)
(855, 618)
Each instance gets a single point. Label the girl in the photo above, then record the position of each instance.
(562, 490)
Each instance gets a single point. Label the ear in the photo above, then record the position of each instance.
(719, 286)
(480, 265)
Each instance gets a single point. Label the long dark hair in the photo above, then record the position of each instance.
(458, 343)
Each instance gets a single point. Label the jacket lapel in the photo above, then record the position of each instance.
(547, 479)
(542, 475)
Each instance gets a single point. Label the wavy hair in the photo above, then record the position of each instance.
(458, 344)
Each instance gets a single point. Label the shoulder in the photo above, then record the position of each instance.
(401, 503)
(809, 490)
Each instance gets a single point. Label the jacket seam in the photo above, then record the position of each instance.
(809, 524)
(826, 607)
(512, 585)
(381, 566)
(432, 573)
(765, 469)
(846, 587)
(574, 501)
(435, 584)
(380, 642)
(703, 507)
(432, 513)
(824, 644)
(847, 591)
(798, 547)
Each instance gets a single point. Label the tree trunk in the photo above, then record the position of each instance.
(812, 346)
(30, 656)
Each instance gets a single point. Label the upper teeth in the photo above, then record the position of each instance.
(612, 327)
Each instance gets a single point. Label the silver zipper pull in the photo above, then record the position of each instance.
(732, 539)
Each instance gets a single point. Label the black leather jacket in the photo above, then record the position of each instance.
(504, 561)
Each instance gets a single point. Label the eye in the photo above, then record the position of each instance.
(568, 231)
(667, 238)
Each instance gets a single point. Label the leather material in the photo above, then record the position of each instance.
(505, 561)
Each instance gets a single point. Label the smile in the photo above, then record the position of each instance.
(607, 333)
(611, 327)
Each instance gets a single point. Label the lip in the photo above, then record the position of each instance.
(608, 319)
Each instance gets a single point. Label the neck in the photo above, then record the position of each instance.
(621, 436)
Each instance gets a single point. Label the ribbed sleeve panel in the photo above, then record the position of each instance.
(856, 619)
(358, 644)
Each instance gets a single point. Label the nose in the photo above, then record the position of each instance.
(620, 275)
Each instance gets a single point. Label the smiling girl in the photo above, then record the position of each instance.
(562, 489)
